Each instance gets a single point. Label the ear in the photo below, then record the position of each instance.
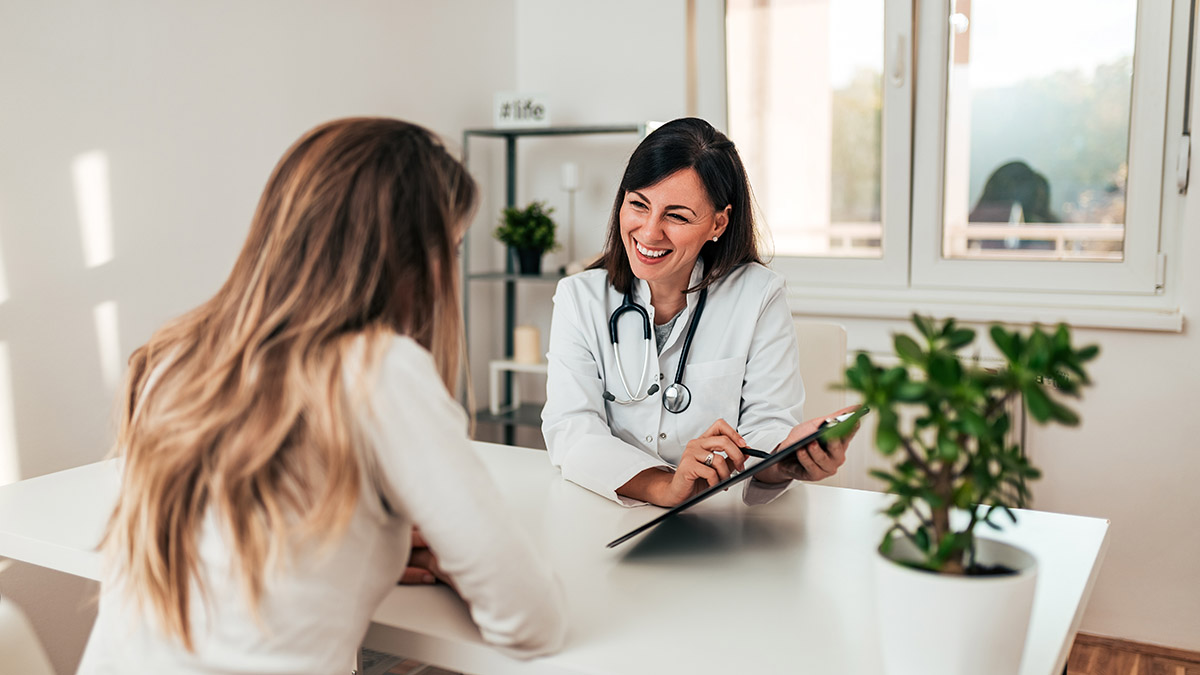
(721, 221)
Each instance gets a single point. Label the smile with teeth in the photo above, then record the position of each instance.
(650, 253)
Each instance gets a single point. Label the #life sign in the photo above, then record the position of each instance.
(515, 109)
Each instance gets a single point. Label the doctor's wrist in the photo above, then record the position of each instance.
(649, 485)
(772, 476)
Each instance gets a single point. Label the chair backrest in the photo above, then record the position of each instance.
(20, 648)
(822, 365)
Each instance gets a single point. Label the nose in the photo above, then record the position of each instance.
(652, 228)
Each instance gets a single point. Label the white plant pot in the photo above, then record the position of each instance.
(937, 624)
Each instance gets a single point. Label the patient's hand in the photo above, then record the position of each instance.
(423, 566)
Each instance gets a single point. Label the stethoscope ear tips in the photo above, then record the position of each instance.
(653, 389)
(609, 397)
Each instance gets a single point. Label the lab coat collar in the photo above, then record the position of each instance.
(642, 289)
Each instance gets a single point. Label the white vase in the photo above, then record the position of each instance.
(938, 624)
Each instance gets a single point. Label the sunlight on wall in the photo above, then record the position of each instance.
(92, 199)
(3, 278)
(107, 339)
(10, 460)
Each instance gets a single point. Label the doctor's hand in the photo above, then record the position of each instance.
(811, 463)
(702, 466)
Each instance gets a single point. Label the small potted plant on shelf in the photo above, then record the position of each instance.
(529, 233)
(952, 601)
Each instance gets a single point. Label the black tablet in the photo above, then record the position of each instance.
(739, 477)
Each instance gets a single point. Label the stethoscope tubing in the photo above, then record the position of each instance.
(628, 305)
(676, 397)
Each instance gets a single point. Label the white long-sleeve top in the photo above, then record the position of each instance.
(743, 367)
(316, 609)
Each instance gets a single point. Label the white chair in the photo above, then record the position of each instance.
(20, 649)
(822, 365)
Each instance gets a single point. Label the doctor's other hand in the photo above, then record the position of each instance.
(703, 465)
(811, 463)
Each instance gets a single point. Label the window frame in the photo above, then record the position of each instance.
(1136, 273)
(1140, 293)
(892, 267)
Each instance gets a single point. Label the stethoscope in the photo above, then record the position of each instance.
(676, 397)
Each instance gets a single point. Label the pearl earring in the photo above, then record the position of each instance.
(714, 240)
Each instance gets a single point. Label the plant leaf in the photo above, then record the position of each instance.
(924, 325)
(887, 439)
(1004, 342)
(960, 338)
(973, 422)
(947, 448)
(1038, 403)
(910, 391)
(921, 538)
(908, 349)
(1064, 415)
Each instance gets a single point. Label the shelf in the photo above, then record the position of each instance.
(527, 415)
(517, 366)
(505, 385)
(505, 276)
(557, 131)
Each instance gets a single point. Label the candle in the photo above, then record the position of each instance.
(527, 344)
(570, 176)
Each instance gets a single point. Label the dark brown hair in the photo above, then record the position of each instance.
(688, 143)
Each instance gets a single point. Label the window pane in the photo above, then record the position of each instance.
(1037, 129)
(805, 109)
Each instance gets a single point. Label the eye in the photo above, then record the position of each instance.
(637, 204)
(677, 217)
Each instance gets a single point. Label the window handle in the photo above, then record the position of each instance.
(898, 63)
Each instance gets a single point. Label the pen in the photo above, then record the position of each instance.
(755, 453)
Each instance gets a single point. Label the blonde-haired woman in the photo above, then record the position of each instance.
(281, 441)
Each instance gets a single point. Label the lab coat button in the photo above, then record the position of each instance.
(662, 435)
(650, 439)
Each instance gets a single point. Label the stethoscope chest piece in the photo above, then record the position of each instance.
(676, 397)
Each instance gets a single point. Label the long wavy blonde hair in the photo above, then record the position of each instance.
(239, 406)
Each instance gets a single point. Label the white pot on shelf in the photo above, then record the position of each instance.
(938, 624)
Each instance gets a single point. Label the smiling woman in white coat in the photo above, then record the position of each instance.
(676, 349)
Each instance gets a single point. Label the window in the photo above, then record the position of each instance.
(810, 78)
(1001, 147)
(825, 131)
(1037, 129)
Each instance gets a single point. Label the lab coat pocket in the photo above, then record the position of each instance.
(716, 391)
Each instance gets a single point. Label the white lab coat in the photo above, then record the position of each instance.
(743, 367)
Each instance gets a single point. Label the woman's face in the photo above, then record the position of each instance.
(665, 225)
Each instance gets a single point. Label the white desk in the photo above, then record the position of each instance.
(790, 582)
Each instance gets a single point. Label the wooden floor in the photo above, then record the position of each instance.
(1094, 655)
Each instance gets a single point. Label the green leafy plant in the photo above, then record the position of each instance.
(528, 228)
(944, 422)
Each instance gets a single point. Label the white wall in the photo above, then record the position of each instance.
(1133, 460)
(191, 104)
